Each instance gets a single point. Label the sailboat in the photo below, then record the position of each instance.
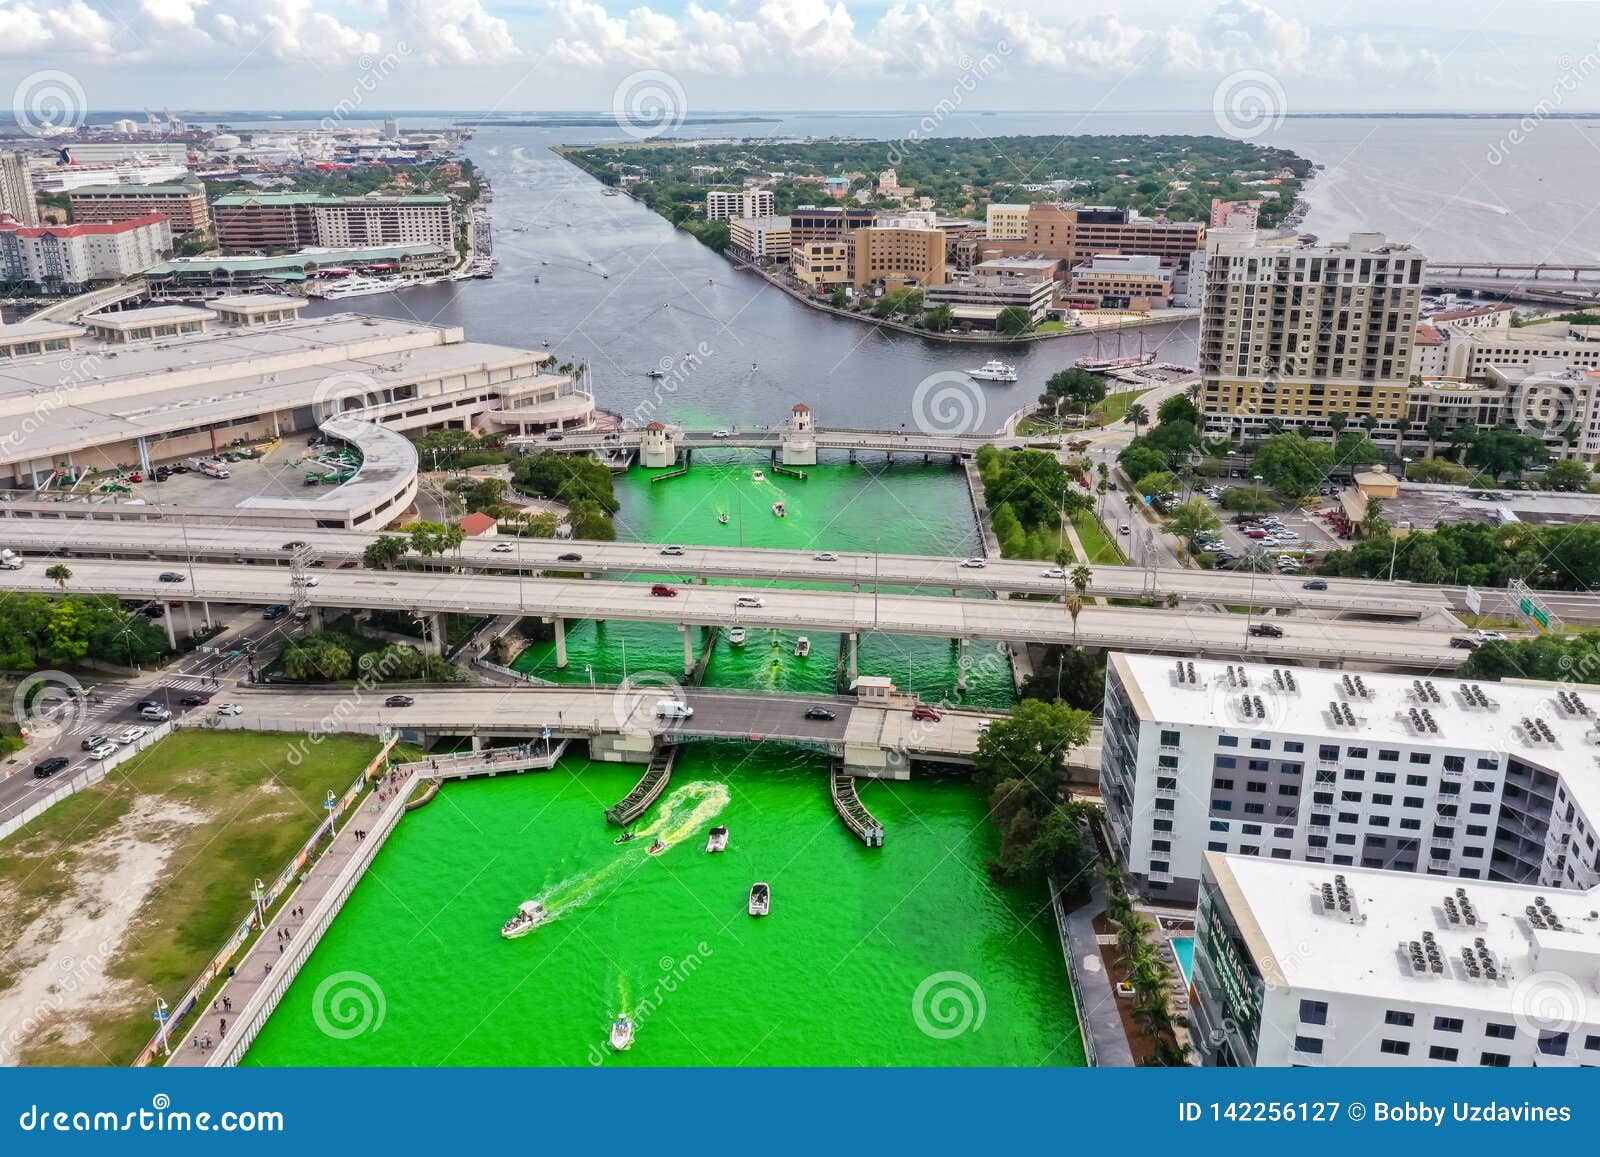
(1097, 364)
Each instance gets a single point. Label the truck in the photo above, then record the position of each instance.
(208, 467)
(673, 709)
(10, 560)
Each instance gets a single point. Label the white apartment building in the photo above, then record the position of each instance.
(1473, 352)
(1496, 316)
(351, 222)
(731, 204)
(1302, 332)
(1314, 966)
(68, 257)
(1006, 223)
(761, 239)
(1442, 777)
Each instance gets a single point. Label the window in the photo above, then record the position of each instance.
(1447, 1024)
(1552, 1043)
(1395, 1048)
(1219, 805)
(1227, 741)
(1288, 789)
(1260, 744)
(1313, 1012)
(1255, 787)
(1356, 752)
(1495, 1061)
(1310, 1044)
(1161, 825)
(1455, 763)
(1443, 1053)
(1216, 846)
(1328, 752)
(1316, 841)
(1293, 746)
(1350, 797)
(1219, 825)
(1383, 776)
(1161, 845)
(1223, 762)
(1222, 785)
(1411, 801)
(1388, 756)
(1592, 1043)
(1500, 1031)
(1421, 757)
(1354, 773)
(1403, 1019)
(1169, 739)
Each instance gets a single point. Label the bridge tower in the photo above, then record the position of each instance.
(799, 440)
(657, 447)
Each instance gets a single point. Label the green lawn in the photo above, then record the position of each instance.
(1113, 406)
(1101, 547)
(228, 806)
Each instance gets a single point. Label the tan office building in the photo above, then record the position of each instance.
(897, 252)
(1007, 223)
(823, 265)
(760, 239)
(16, 189)
(1077, 233)
(1303, 332)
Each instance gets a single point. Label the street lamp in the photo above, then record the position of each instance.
(590, 670)
(258, 893)
(162, 1017)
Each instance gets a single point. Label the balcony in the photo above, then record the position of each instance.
(1166, 792)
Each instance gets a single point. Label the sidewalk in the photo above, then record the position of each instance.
(1097, 1004)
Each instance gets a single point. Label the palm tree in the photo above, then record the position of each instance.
(1081, 577)
(1436, 428)
(1401, 425)
(1337, 422)
(60, 575)
(1074, 608)
(1137, 416)
(1131, 932)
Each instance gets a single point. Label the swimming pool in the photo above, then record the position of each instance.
(1183, 946)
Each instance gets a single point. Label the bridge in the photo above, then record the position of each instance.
(151, 537)
(847, 612)
(1526, 270)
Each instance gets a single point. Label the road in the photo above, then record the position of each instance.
(52, 540)
(1129, 628)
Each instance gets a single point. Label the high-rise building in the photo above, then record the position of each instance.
(16, 189)
(66, 258)
(248, 222)
(391, 129)
(808, 223)
(183, 205)
(1307, 965)
(897, 251)
(1305, 332)
(728, 204)
(1006, 223)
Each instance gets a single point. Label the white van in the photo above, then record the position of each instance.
(673, 709)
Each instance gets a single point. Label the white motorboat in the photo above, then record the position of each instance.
(528, 917)
(757, 476)
(622, 1034)
(780, 510)
(357, 287)
(760, 899)
(717, 841)
(737, 636)
(994, 370)
(802, 647)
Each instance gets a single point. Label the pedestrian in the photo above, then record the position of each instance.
(280, 950)
(215, 1005)
(227, 1006)
(223, 1030)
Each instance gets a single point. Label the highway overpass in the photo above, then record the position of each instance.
(1407, 647)
(168, 539)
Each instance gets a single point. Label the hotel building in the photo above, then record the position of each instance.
(898, 251)
(761, 239)
(278, 222)
(729, 204)
(183, 205)
(1304, 332)
(1007, 223)
(66, 258)
(823, 265)
(16, 188)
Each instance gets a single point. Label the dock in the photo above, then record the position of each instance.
(530, 756)
(649, 788)
(787, 471)
(862, 823)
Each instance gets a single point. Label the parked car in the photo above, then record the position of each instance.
(926, 713)
(570, 556)
(819, 713)
(749, 601)
(1266, 631)
(1462, 643)
(673, 550)
(171, 576)
(663, 591)
(45, 768)
(399, 701)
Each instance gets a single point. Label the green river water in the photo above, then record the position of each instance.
(903, 955)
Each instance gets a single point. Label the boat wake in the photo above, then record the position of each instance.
(690, 807)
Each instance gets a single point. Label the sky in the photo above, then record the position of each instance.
(1297, 55)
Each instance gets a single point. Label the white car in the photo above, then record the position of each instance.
(312, 580)
(825, 556)
(132, 735)
(974, 563)
(1053, 572)
(103, 750)
(749, 601)
(719, 433)
(230, 709)
(502, 548)
(673, 550)
(1491, 636)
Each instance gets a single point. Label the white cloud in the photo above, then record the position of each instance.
(35, 27)
(451, 32)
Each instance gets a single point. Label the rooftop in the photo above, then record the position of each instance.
(148, 315)
(248, 302)
(174, 190)
(236, 200)
(82, 229)
(302, 259)
(1298, 942)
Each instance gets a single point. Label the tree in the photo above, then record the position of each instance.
(1401, 427)
(1438, 470)
(60, 575)
(1435, 427)
(385, 551)
(1013, 320)
(1074, 608)
(1192, 519)
(1136, 415)
(1080, 387)
(428, 538)
(1030, 744)
(839, 298)
(1293, 465)
(1138, 460)
(1178, 408)
(1337, 422)
(939, 319)
(1081, 577)
(1503, 451)
(1567, 474)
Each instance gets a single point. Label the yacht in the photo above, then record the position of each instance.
(994, 370)
(780, 510)
(357, 287)
(760, 899)
(736, 636)
(622, 1034)
(757, 476)
(717, 841)
(528, 917)
(802, 647)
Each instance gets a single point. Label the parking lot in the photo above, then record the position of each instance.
(276, 473)
(1295, 531)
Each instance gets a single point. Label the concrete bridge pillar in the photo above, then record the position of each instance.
(316, 618)
(688, 648)
(188, 619)
(172, 639)
(144, 456)
(962, 663)
(561, 642)
(436, 633)
(854, 644)
(852, 457)
(477, 743)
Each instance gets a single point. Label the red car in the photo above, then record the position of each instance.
(662, 590)
(927, 714)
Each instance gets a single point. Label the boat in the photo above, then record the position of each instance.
(802, 647)
(717, 841)
(622, 1034)
(757, 476)
(723, 518)
(357, 287)
(658, 847)
(760, 899)
(1094, 363)
(528, 917)
(626, 837)
(655, 373)
(736, 636)
(780, 510)
(994, 370)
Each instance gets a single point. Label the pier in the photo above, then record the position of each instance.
(862, 823)
(788, 471)
(531, 756)
(648, 789)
